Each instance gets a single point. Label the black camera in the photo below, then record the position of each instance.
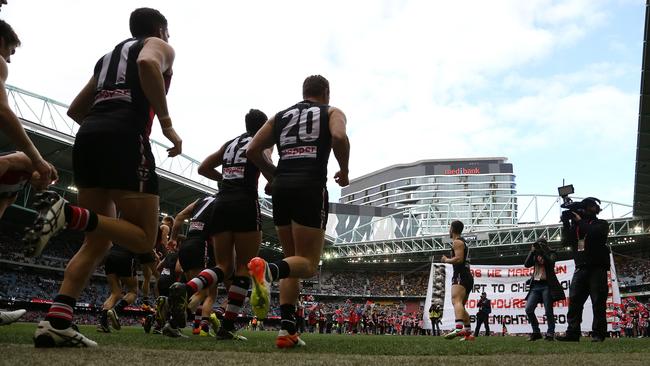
(568, 205)
(541, 245)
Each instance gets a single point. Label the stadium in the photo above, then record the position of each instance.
(383, 240)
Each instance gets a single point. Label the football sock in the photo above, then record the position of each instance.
(79, 218)
(61, 310)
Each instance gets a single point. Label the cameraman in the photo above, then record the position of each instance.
(544, 288)
(435, 314)
(587, 236)
(483, 315)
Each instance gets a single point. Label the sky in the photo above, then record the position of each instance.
(551, 85)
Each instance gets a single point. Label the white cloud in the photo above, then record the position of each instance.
(417, 79)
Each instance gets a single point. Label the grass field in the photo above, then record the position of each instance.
(131, 346)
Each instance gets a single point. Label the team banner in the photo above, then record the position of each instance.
(506, 287)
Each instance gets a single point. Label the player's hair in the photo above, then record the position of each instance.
(255, 119)
(315, 86)
(457, 227)
(168, 218)
(146, 22)
(8, 35)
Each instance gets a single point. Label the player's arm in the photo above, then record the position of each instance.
(159, 267)
(267, 158)
(263, 140)
(459, 253)
(340, 144)
(10, 125)
(80, 106)
(156, 58)
(180, 218)
(164, 231)
(530, 259)
(208, 167)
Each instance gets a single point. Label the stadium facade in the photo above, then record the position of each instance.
(478, 190)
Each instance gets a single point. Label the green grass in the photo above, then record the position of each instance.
(132, 346)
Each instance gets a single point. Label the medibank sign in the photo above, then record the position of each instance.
(459, 171)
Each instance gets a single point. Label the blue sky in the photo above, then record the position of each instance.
(552, 85)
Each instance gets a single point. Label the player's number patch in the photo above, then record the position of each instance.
(235, 154)
(308, 122)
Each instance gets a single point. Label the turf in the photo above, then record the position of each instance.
(132, 346)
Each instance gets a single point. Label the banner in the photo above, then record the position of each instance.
(506, 287)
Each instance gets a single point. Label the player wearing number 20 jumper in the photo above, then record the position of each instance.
(236, 221)
(304, 134)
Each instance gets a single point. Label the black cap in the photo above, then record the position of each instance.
(591, 201)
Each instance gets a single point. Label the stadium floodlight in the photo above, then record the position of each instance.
(637, 229)
(72, 188)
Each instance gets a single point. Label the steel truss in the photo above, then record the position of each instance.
(433, 219)
(49, 118)
(622, 231)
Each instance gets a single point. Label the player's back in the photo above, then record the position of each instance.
(304, 142)
(120, 104)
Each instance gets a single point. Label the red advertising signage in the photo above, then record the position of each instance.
(459, 171)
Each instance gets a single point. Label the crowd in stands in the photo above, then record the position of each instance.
(632, 271)
(390, 284)
(27, 286)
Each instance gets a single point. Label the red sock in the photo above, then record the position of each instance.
(79, 218)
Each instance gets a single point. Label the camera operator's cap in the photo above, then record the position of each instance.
(591, 201)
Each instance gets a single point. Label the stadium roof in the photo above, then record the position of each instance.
(175, 190)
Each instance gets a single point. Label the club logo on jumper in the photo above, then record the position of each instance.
(196, 226)
(233, 172)
(299, 152)
(459, 171)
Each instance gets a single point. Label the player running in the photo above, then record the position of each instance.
(149, 261)
(114, 168)
(17, 167)
(304, 133)
(236, 223)
(462, 282)
(170, 270)
(119, 267)
(196, 253)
